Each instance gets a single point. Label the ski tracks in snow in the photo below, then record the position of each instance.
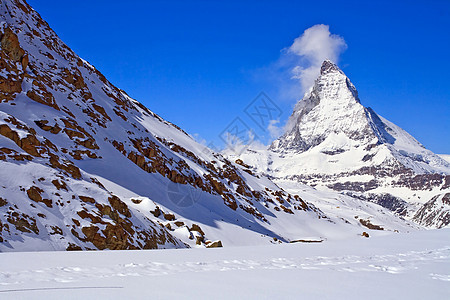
(390, 263)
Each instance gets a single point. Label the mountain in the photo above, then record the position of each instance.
(85, 166)
(445, 157)
(333, 142)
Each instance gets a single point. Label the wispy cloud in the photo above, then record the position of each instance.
(275, 131)
(299, 64)
(311, 48)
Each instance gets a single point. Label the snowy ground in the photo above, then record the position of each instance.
(395, 266)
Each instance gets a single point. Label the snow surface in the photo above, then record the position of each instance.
(394, 266)
(446, 157)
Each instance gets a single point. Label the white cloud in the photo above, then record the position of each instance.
(199, 139)
(310, 49)
(237, 145)
(274, 130)
(299, 64)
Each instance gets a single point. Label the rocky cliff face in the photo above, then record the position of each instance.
(84, 166)
(333, 142)
(435, 213)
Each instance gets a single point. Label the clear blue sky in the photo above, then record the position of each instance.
(197, 63)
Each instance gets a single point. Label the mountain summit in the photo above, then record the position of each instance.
(331, 106)
(329, 67)
(331, 118)
(333, 142)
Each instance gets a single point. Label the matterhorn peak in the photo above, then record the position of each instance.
(331, 106)
(331, 119)
(334, 86)
(329, 67)
(333, 142)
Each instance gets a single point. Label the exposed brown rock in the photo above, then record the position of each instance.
(94, 218)
(10, 44)
(67, 166)
(7, 132)
(118, 235)
(89, 143)
(74, 78)
(10, 153)
(72, 134)
(136, 201)
(101, 110)
(120, 114)
(56, 230)
(22, 222)
(369, 225)
(12, 84)
(87, 199)
(199, 240)
(119, 205)
(286, 210)
(76, 222)
(240, 162)
(40, 94)
(215, 244)
(179, 223)
(73, 247)
(30, 145)
(34, 193)
(76, 132)
(197, 228)
(79, 154)
(98, 183)
(156, 212)
(169, 217)
(43, 125)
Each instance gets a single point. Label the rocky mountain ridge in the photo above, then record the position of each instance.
(65, 129)
(84, 166)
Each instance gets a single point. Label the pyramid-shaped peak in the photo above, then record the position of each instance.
(329, 67)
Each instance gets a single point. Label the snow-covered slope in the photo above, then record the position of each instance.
(395, 266)
(445, 157)
(333, 142)
(435, 212)
(84, 166)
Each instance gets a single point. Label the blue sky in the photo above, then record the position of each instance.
(200, 63)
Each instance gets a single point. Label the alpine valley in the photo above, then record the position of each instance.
(83, 166)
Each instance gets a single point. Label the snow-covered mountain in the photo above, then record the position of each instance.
(445, 157)
(333, 142)
(84, 166)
